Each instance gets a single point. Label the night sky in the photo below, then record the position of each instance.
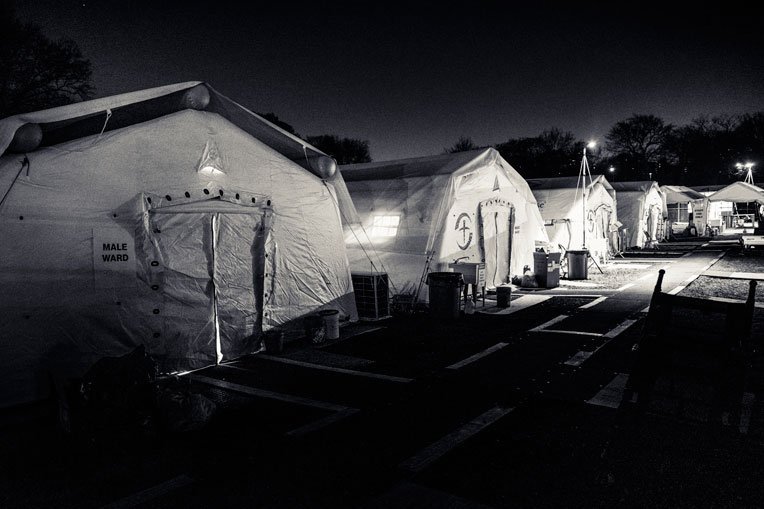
(411, 79)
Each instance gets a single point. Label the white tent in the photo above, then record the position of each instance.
(741, 200)
(171, 218)
(561, 205)
(450, 207)
(681, 201)
(641, 209)
(739, 192)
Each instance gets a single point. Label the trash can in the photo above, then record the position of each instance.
(578, 264)
(546, 269)
(503, 296)
(331, 323)
(445, 292)
(273, 340)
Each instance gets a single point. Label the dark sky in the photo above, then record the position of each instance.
(411, 79)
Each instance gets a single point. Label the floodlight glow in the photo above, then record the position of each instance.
(211, 170)
(612, 169)
(591, 144)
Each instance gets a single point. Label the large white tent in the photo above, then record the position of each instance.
(681, 201)
(467, 207)
(739, 197)
(171, 218)
(560, 201)
(641, 210)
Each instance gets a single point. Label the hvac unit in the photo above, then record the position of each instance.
(371, 295)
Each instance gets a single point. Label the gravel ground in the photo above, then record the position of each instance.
(733, 261)
(614, 275)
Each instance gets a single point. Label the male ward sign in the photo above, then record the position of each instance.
(113, 257)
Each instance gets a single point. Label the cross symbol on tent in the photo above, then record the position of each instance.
(464, 229)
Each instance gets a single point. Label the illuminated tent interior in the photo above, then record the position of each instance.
(738, 199)
(171, 218)
(681, 201)
(560, 201)
(427, 212)
(642, 211)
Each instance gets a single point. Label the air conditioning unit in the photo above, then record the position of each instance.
(371, 295)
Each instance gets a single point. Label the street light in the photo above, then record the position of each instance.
(748, 166)
(611, 169)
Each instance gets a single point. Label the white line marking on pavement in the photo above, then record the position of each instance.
(746, 408)
(578, 359)
(620, 328)
(610, 395)
(322, 367)
(262, 393)
(148, 494)
(322, 423)
(593, 303)
(436, 450)
(477, 356)
(575, 332)
(625, 287)
(581, 357)
(551, 322)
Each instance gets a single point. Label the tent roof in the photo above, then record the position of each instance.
(66, 118)
(680, 194)
(739, 192)
(427, 166)
(87, 118)
(566, 183)
(634, 186)
(707, 188)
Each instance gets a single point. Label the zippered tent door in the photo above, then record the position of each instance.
(211, 284)
(496, 218)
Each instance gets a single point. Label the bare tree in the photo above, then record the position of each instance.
(463, 144)
(343, 150)
(38, 73)
(641, 142)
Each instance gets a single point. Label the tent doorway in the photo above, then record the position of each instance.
(210, 267)
(497, 218)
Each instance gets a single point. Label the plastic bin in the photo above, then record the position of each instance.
(546, 269)
(578, 264)
(331, 319)
(445, 291)
(503, 296)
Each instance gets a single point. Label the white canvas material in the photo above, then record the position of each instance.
(448, 208)
(561, 205)
(641, 208)
(189, 233)
(698, 202)
(739, 192)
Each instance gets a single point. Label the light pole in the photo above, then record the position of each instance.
(749, 167)
(582, 173)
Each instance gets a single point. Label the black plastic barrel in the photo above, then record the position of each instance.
(503, 296)
(445, 291)
(578, 264)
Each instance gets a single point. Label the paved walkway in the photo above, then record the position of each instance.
(609, 312)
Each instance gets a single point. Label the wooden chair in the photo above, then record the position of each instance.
(685, 368)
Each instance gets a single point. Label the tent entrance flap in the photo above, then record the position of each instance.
(209, 270)
(496, 227)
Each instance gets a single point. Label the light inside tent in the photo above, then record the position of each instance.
(384, 226)
(211, 171)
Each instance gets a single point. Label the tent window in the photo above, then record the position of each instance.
(385, 226)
